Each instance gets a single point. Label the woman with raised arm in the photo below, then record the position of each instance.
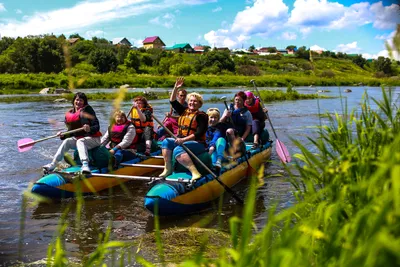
(192, 127)
(81, 115)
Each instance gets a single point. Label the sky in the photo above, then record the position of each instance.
(348, 26)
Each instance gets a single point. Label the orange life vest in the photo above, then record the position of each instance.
(187, 124)
(73, 120)
(139, 125)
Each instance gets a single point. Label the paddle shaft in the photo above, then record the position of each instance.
(234, 195)
(230, 118)
(49, 137)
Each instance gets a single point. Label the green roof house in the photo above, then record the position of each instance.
(180, 48)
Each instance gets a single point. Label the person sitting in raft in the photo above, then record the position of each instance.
(258, 113)
(142, 119)
(171, 117)
(215, 138)
(81, 115)
(119, 136)
(192, 127)
(241, 119)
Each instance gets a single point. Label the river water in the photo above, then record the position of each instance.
(291, 119)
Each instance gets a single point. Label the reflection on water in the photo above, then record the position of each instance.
(291, 119)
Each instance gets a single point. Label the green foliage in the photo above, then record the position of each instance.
(383, 64)
(5, 42)
(220, 60)
(252, 48)
(359, 60)
(76, 35)
(104, 60)
(132, 60)
(248, 70)
(181, 69)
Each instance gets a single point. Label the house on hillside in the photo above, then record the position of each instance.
(73, 41)
(199, 49)
(223, 49)
(180, 48)
(153, 42)
(121, 41)
(282, 51)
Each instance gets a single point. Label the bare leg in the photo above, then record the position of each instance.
(187, 162)
(167, 154)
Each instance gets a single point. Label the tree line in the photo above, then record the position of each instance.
(53, 54)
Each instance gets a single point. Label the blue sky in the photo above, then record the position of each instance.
(344, 25)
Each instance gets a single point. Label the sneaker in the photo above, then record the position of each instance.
(50, 167)
(85, 168)
(218, 164)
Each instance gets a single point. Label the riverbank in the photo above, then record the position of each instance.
(18, 83)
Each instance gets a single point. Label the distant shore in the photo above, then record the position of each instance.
(31, 83)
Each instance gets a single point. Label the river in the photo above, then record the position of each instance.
(291, 119)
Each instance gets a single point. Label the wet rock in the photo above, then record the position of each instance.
(61, 91)
(60, 100)
(45, 91)
(347, 90)
(125, 86)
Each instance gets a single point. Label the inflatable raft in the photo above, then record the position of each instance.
(177, 198)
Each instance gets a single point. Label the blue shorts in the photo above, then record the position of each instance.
(195, 147)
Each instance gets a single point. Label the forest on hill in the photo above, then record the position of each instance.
(35, 62)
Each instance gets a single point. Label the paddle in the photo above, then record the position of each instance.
(281, 149)
(230, 191)
(27, 143)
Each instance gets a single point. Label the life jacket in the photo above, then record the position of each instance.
(117, 133)
(256, 111)
(74, 121)
(187, 124)
(238, 120)
(139, 125)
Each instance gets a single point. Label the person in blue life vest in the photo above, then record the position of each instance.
(258, 113)
(120, 135)
(240, 118)
(142, 119)
(81, 115)
(192, 127)
(215, 137)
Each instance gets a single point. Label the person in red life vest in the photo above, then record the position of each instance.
(192, 125)
(81, 115)
(240, 118)
(254, 106)
(171, 117)
(142, 119)
(119, 136)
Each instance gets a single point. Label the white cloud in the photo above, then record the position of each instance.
(355, 15)
(136, 42)
(289, 36)
(348, 48)
(217, 9)
(96, 33)
(317, 48)
(315, 13)
(386, 17)
(86, 14)
(382, 53)
(261, 19)
(2, 7)
(167, 20)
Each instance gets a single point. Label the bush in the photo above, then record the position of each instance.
(248, 70)
(379, 74)
(327, 74)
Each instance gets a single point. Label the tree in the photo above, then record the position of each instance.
(272, 49)
(291, 47)
(215, 58)
(359, 60)
(383, 64)
(80, 51)
(122, 52)
(132, 60)
(76, 35)
(104, 60)
(302, 52)
(50, 55)
(5, 43)
(252, 48)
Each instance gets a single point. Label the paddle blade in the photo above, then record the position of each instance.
(282, 151)
(25, 144)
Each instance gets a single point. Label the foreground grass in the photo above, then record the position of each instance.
(347, 211)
